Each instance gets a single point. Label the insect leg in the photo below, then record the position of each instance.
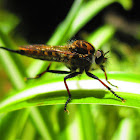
(52, 71)
(67, 77)
(103, 69)
(39, 75)
(95, 77)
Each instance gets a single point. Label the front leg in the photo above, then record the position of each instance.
(95, 77)
(103, 69)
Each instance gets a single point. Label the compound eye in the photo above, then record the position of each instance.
(99, 57)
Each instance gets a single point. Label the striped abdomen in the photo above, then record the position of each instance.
(44, 52)
(77, 54)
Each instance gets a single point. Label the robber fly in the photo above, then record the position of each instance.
(77, 56)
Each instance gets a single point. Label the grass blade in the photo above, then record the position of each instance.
(14, 70)
(42, 128)
(94, 92)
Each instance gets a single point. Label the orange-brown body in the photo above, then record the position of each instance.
(75, 55)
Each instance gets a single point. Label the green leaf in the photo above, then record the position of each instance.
(101, 35)
(87, 91)
(40, 124)
(60, 35)
(8, 21)
(88, 11)
(12, 120)
(11, 62)
(87, 124)
(127, 4)
(126, 130)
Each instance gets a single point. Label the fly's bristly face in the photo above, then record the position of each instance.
(100, 58)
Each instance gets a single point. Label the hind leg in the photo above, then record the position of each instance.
(48, 70)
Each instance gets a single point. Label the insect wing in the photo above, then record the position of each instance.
(46, 52)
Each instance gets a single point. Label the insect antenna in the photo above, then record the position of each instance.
(106, 52)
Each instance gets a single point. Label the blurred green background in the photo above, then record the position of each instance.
(109, 25)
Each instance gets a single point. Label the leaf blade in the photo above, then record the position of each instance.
(93, 92)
